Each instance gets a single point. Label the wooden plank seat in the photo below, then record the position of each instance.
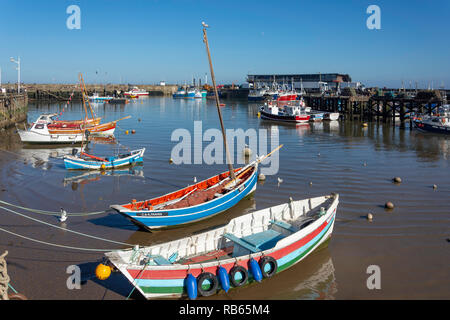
(284, 225)
(241, 242)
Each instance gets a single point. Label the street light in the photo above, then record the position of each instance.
(18, 71)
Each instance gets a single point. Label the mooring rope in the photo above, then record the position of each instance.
(55, 244)
(53, 213)
(58, 227)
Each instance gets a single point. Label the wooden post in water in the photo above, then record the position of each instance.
(213, 79)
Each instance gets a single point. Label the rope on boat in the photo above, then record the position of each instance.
(55, 244)
(52, 213)
(58, 227)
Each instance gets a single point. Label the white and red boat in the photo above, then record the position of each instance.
(287, 113)
(287, 96)
(136, 92)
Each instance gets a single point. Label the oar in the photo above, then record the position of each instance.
(121, 119)
(268, 155)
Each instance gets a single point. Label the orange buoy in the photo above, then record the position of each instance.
(102, 272)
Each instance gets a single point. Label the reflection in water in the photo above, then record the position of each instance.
(75, 177)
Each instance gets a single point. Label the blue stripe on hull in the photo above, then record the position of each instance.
(191, 214)
(80, 164)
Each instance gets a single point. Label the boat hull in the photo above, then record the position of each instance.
(427, 127)
(101, 129)
(296, 119)
(155, 219)
(75, 163)
(37, 138)
(169, 280)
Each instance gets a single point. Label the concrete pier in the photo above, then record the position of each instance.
(13, 109)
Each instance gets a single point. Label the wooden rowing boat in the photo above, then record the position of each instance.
(249, 248)
(89, 162)
(193, 203)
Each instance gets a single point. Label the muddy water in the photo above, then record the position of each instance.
(408, 243)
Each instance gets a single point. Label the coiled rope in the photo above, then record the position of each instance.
(58, 227)
(52, 213)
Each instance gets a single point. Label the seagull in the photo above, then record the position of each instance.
(204, 24)
(63, 215)
(279, 181)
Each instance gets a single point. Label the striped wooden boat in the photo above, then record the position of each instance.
(99, 129)
(193, 203)
(249, 248)
(89, 162)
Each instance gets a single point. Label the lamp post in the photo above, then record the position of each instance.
(18, 72)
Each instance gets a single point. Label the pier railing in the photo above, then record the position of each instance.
(13, 109)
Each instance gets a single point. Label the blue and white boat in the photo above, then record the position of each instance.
(190, 93)
(96, 98)
(316, 116)
(181, 93)
(193, 203)
(89, 162)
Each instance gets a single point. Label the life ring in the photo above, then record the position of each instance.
(243, 280)
(273, 266)
(214, 283)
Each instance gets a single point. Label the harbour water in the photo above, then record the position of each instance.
(410, 243)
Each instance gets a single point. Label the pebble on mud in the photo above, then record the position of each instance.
(170, 160)
(397, 180)
(434, 186)
(389, 205)
(133, 131)
(261, 177)
(369, 216)
(247, 151)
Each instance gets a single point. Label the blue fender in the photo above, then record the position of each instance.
(191, 286)
(255, 270)
(223, 278)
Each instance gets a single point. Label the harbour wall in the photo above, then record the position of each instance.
(13, 109)
(62, 92)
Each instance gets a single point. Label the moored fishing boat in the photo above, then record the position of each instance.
(136, 92)
(436, 123)
(249, 248)
(97, 98)
(286, 113)
(89, 162)
(39, 134)
(180, 93)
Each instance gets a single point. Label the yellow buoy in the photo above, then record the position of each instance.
(259, 114)
(103, 167)
(102, 272)
(126, 132)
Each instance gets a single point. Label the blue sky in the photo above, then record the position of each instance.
(148, 41)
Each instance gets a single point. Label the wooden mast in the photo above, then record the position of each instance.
(83, 91)
(80, 77)
(230, 165)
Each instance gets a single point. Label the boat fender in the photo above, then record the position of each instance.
(212, 288)
(243, 280)
(191, 286)
(273, 266)
(74, 151)
(223, 278)
(255, 270)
